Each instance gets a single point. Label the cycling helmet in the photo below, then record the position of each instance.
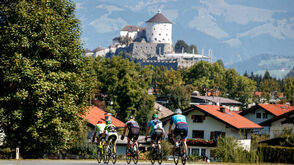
(178, 111)
(155, 116)
(108, 122)
(131, 117)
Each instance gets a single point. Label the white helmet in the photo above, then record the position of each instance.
(178, 111)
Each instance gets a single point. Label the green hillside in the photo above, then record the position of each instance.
(278, 65)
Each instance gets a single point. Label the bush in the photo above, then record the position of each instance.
(228, 150)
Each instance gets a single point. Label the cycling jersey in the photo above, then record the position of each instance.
(178, 119)
(134, 129)
(181, 127)
(156, 125)
(99, 128)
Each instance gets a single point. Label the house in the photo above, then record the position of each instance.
(230, 104)
(277, 125)
(162, 111)
(96, 114)
(262, 112)
(207, 122)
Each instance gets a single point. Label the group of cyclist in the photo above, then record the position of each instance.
(108, 131)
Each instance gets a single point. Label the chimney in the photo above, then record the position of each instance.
(222, 109)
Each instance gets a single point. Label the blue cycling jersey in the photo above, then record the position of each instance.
(178, 119)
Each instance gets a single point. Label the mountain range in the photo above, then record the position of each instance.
(235, 30)
(277, 65)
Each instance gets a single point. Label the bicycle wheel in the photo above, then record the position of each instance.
(99, 155)
(183, 154)
(105, 156)
(152, 155)
(176, 155)
(159, 156)
(113, 155)
(135, 154)
(128, 156)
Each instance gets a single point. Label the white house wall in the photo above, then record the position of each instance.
(252, 116)
(277, 128)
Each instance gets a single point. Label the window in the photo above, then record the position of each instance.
(159, 34)
(203, 152)
(195, 151)
(198, 118)
(212, 153)
(155, 39)
(198, 134)
(258, 115)
(216, 134)
(264, 115)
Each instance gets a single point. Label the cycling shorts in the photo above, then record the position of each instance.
(181, 130)
(157, 135)
(134, 133)
(111, 136)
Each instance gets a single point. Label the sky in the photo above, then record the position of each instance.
(234, 30)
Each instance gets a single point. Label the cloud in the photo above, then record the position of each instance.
(106, 25)
(79, 5)
(204, 22)
(234, 42)
(141, 5)
(237, 13)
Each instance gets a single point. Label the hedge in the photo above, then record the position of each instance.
(276, 154)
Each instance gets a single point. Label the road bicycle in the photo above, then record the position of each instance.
(155, 153)
(178, 152)
(133, 153)
(111, 150)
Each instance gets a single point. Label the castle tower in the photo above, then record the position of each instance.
(159, 29)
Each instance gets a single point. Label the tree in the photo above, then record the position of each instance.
(125, 84)
(267, 75)
(289, 89)
(181, 46)
(169, 83)
(269, 88)
(205, 76)
(44, 85)
(193, 48)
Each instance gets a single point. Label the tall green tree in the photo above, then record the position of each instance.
(43, 83)
(125, 84)
(205, 76)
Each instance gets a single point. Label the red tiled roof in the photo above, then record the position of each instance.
(230, 117)
(96, 114)
(277, 109)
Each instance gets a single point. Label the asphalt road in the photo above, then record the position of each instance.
(69, 162)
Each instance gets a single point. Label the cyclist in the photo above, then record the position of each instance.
(157, 131)
(180, 126)
(99, 131)
(134, 129)
(110, 133)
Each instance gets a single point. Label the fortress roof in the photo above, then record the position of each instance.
(159, 18)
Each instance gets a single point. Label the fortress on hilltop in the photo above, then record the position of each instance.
(150, 45)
